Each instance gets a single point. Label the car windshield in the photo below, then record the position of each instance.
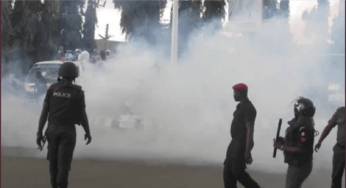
(49, 73)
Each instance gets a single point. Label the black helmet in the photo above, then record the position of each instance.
(68, 70)
(304, 107)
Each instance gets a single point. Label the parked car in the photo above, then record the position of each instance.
(42, 75)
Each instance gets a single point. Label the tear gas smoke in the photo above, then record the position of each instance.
(188, 108)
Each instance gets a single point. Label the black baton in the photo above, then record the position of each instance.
(277, 136)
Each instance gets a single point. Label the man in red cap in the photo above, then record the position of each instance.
(239, 150)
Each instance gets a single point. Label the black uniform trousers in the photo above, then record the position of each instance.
(338, 165)
(230, 178)
(61, 144)
(297, 174)
(234, 168)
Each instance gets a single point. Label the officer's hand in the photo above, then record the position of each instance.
(87, 136)
(317, 147)
(39, 140)
(277, 144)
(248, 158)
(281, 139)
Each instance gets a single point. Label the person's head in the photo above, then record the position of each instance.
(304, 107)
(78, 51)
(68, 71)
(240, 92)
(38, 74)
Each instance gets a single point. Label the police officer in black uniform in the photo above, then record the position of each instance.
(239, 150)
(298, 143)
(64, 106)
(339, 148)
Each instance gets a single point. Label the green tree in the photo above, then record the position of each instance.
(189, 19)
(317, 21)
(154, 11)
(285, 9)
(47, 36)
(214, 10)
(71, 21)
(140, 18)
(89, 27)
(270, 9)
(338, 30)
(25, 20)
(6, 27)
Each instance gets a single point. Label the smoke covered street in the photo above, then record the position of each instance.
(123, 174)
(159, 123)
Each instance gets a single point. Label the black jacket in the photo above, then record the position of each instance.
(66, 103)
(300, 134)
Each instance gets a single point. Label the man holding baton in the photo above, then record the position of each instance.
(298, 143)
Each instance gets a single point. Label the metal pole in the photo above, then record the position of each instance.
(106, 37)
(174, 47)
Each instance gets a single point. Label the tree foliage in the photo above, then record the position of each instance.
(140, 18)
(6, 27)
(338, 30)
(214, 10)
(270, 9)
(89, 27)
(48, 31)
(25, 20)
(317, 21)
(285, 9)
(71, 23)
(189, 19)
(33, 30)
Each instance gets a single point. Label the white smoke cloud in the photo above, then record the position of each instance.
(188, 107)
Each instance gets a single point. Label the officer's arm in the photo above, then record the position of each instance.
(325, 132)
(85, 123)
(290, 149)
(250, 116)
(43, 118)
(305, 139)
(249, 137)
(331, 124)
(44, 113)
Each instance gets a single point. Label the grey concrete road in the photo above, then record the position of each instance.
(26, 172)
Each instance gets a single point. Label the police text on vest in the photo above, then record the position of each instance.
(59, 94)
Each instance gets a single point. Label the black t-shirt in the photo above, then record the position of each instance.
(339, 119)
(300, 134)
(244, 113)
(66, 103)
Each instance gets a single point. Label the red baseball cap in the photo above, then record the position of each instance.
(240, 86)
